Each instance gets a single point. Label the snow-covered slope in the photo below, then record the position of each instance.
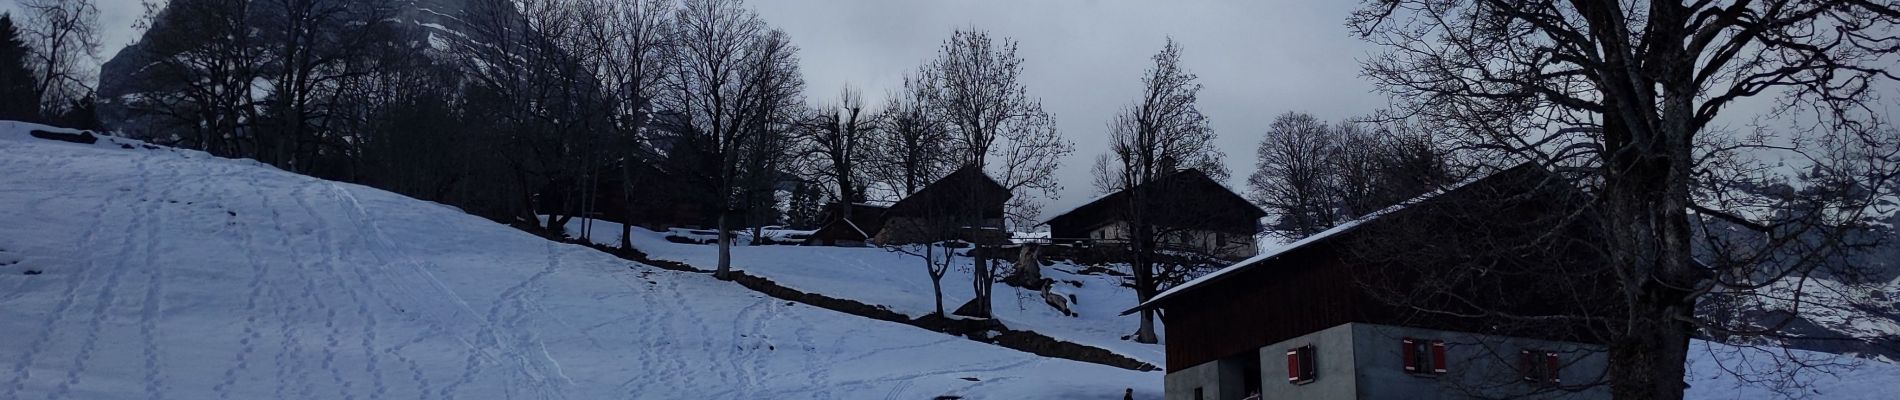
(134, 272)
(897, 281)
(159, 273)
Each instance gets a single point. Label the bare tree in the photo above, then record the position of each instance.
(315, 47)
(1160, 134)
(1294, 179)
(912, 147)
(206, 65)
(64, 36)
(634, 40)
(733, 78)
(1377, 163)
(1628, 94)
(837, 141)
(974, 86)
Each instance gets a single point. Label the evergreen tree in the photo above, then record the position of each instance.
(18, 98)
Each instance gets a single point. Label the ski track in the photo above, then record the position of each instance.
(259, 289)
(153, 303)
(70, 295)
(107, 293)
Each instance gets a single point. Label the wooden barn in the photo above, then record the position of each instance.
(1191, 210)
(601, 195)
(964, 205)
(848, 224)
(1332, 316)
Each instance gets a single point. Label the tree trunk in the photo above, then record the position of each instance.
(1648, 364)
(936, 278)
(725, 249)
(1144, 283)
(1647, 198)
(980, 270)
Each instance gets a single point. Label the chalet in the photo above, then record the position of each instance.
(1191, 210)
(848, 224)
(602, 194)
(965, 205)
(1337, 315)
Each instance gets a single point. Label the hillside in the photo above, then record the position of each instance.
(159, 273)
(137, 271)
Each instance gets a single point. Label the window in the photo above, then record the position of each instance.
(1301, 366)
(1425, 357)
(1198, 395)
(1539, 366)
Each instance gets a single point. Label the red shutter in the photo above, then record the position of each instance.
(1550, 360)
(1410, 354)
(1527, 365)
(1293, 365)
(1438, 356)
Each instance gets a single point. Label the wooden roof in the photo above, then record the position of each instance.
(1186, 199)
(1424, 251)
(966, 191)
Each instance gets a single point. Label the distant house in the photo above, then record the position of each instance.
(1193, 213)
(1318, 319)
(602, 195)
(965, 205)
(848, 224)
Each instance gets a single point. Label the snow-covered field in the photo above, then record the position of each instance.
(156, 273)
(173, 274)
(898, 281)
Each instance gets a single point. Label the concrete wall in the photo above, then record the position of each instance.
(1334, 356)
(1218, 380)
(1477, 366)
(1364, 361)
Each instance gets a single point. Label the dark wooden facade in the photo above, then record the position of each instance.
(1184, 199)
(1440, 252)
(853, 228)
(659, 199)
(966, 205)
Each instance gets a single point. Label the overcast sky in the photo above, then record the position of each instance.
(1084, 59)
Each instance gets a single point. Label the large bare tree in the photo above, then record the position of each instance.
(633, 40)
(975, 87)
(1294, 181)
(912, 147)
(64, 36)
(316, 47)
(735, 80)
(200, 87)
(837, 142)
(1632, 95)
(1160, 134)
(974, 84)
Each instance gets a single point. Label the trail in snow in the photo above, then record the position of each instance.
(175, 275)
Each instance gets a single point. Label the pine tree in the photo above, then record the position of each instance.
(18, 99)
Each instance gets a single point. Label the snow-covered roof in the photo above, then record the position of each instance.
(1347, 226)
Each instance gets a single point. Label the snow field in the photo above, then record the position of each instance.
(173, 274)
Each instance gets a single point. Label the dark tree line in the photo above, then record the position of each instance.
(48, 58)
(1313, 175)
(529, 112)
